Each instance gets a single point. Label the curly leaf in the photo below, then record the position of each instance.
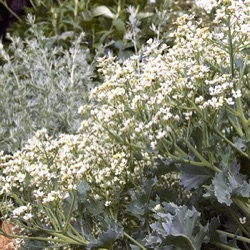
(227, 185)
(221, 189)
(140, 199)
(176, 226)
(193, 176)
(106, 239)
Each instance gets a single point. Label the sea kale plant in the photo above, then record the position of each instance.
(161, 158)
(41, 87)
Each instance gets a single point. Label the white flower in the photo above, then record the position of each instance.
(237, 93)
(28, 216)
(107, 203)
(229, 101)
(207, 5)
(158, 208)
(199, 99)
(243, 220)
(160, 134)
(20, 210)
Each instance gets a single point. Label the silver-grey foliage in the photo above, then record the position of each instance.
(41, 87)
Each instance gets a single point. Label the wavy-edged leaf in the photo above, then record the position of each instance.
(177, 226)
(140, 199)
(193, 176)
(221, 189)
(227, 185)
(106, 239)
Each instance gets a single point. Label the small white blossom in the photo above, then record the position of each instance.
(237, 93)
(158, 208)
(243, 220)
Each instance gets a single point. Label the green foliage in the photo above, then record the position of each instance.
(123, 25)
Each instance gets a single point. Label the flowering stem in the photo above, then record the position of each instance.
(236, 126)
(53, 219)
(183, 156)
(238, 100)
(75, 232)
(244, 121)
(10, 10)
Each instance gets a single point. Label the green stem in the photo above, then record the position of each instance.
(62, 238)
(230, 235)
(70, 211)
(220, 45)
(230, 143)
(243, 119)
(239, 107)
(230, 48)
(240, 226)
(238, 100)
(232, 111)
(243, 205)
(182, 158)
(223, 246)
(201, 158)
(70, 227)
(236, 126)
(134, 241)
(10, 10)
(176, 147)
(53, 219)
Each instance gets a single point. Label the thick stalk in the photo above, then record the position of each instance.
(134, 241)
(230, 235)
(223, 246)
(230, 48)
(70, 211)
(244, 205)
(201, 158)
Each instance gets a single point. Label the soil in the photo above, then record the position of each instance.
(6, 243)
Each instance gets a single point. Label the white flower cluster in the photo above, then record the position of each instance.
(49, 168)
(41, 166)
(148, 95)
(207, 5)
(24, 212)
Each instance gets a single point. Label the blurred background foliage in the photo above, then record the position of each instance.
(108, 23)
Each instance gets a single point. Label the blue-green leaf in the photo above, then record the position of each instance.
(176, 226)
(193, 176)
